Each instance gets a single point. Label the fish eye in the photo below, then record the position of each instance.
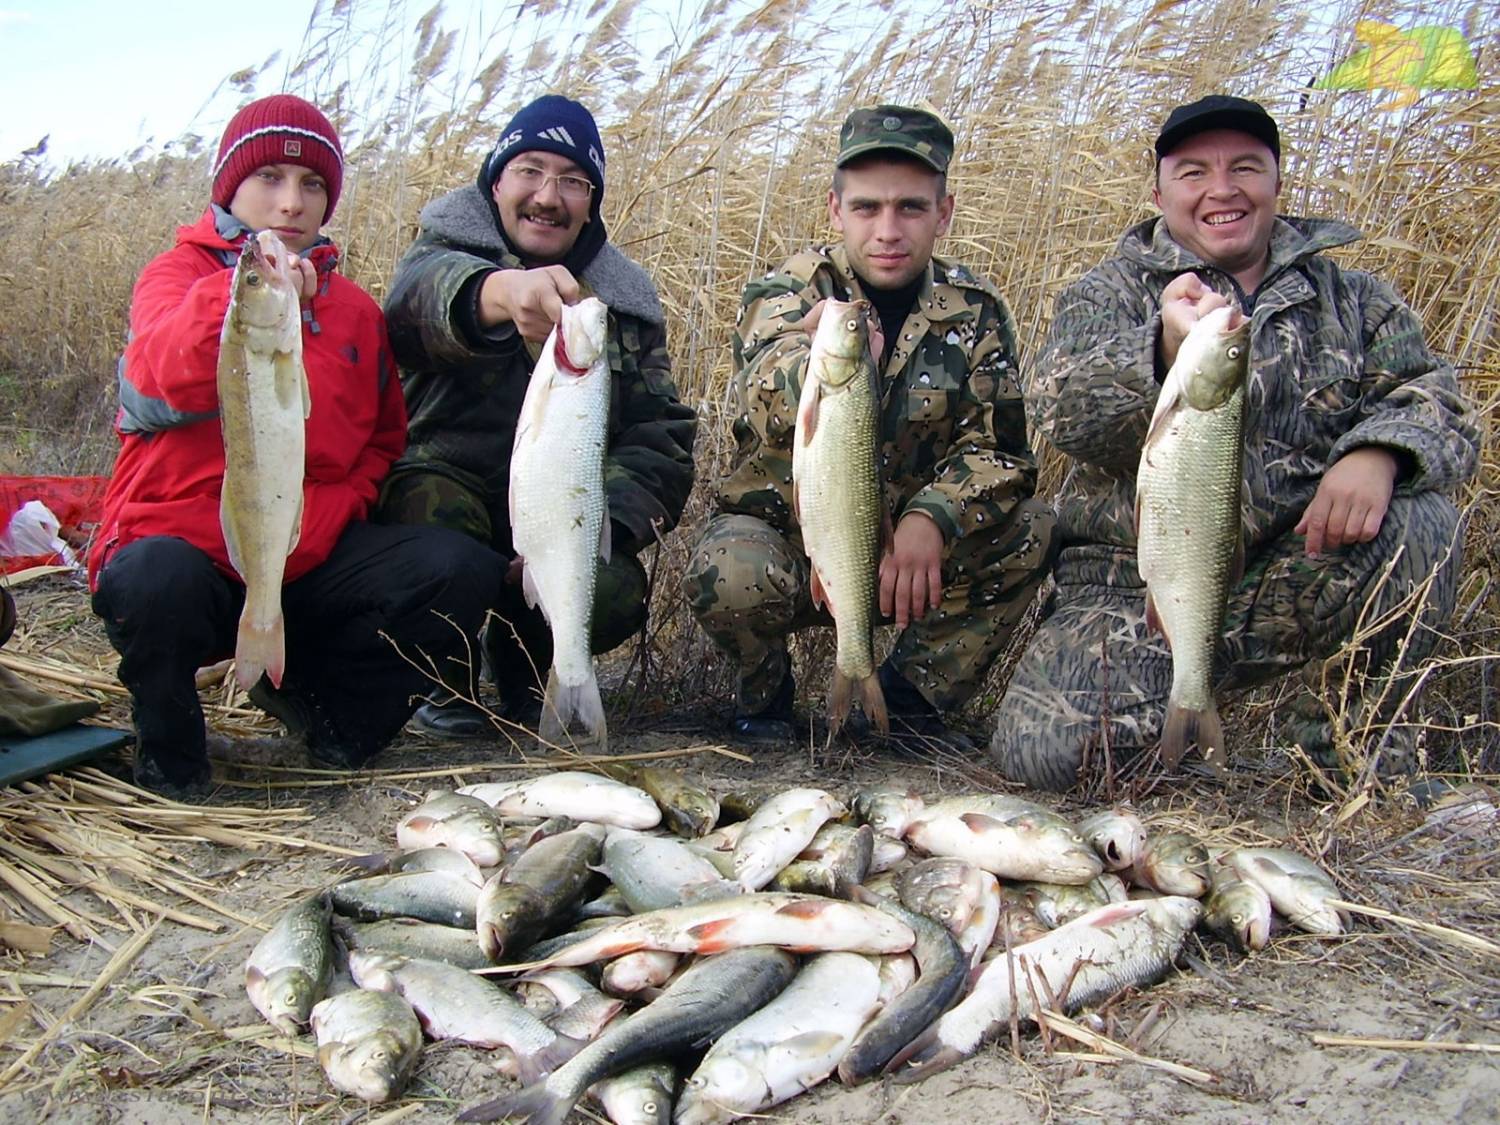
(1234, 352)
(1237, 919)
(649, 1107)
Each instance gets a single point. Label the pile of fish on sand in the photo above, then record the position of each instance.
(595, 933)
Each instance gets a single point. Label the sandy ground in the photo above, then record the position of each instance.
(152, 1048)
(174, 1038)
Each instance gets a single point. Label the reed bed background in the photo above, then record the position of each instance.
(720, 122)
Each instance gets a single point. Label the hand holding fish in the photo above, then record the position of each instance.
(1183, 302)
(877, 338)
(911, 572)
(532, 300)
(1351, 500)
(300, 272)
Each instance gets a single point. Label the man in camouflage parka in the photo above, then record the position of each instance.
(1354, 433)
(970, 545)
(470, 305)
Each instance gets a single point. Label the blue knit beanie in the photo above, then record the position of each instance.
(552, 124)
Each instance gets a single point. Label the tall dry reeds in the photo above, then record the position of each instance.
(720, 122)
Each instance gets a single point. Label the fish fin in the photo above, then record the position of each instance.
(535, 1103)
(811, 1043)
(606, 535)
(1166, 406)
(306, 392)
(420, 823)
(840, 699)
(922, 1048)
(1153, 618)
(253, 976)
(805, 908)
(978, 822)
(706, 931)
(796, 503)
(816, 591)
(372, 864)
(532, 593)
(564, 703)
(872, 698)
(807, 411)
(289, 382)
(260, 649)
(536, 1067)
(1185, 727)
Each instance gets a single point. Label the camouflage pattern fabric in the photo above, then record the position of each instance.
(952, 418)
(747, 585)
(1338, 361)
(517, 640)
(1093, 669)
(954, 447)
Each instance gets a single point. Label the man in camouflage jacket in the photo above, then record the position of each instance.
(470, 305)
(969, 546)
(1355, 432)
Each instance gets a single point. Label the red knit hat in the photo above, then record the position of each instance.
(281, 129)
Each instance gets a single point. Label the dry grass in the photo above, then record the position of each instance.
(720, 121)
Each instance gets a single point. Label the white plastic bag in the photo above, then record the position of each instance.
(33, 531)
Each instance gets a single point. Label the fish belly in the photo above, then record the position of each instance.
(1189, 488)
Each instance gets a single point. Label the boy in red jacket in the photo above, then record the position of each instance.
(161, 574)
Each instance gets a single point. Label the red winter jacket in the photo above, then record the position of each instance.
(170, 468)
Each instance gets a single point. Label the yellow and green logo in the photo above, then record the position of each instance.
(1406, 62)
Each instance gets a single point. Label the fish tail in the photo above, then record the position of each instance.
(927, 1053)
(535, 1067)
(260, 649)
(535, 1103)
(563, 703)
(840, 699)
(1185, 727)
(872, 697)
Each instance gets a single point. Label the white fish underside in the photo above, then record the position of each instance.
(558, 511)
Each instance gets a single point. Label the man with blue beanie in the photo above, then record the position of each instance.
(471, 304)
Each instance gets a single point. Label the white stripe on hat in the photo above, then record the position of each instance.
(560, 135)
(264, 130)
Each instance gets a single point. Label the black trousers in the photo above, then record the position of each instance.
(168, 611)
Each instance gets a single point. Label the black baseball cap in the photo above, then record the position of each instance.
(1218, 111)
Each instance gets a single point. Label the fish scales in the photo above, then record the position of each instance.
(1188, 523)
(559, 516)
(838, 497)
(264, 403)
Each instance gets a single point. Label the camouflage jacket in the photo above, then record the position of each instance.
(464, 394)
(952, 421)
(1337, 361)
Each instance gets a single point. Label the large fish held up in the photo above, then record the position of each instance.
(1189, 536)
(559, 516)
(838, 500)
(263, 407)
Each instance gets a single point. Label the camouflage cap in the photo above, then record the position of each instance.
(899, 127)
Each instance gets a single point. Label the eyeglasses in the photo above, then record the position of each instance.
(534, 179)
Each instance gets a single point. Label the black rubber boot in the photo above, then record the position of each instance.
(457, 718)
(302, 719)
(774, 723)
(915, 723)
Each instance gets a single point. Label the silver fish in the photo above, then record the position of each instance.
(1189, 537)
(288, 970)
(714, 994)
(1091, 957)
(453, 820)
(559, 514)
(368, 1043)
(838, 499)
(786, 1047)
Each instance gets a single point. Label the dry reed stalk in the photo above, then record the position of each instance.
(1404, 1044)
(1075, 1031)
(116, 965)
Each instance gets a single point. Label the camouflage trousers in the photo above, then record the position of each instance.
(517, 641)
(748, 587)
(1092, 662)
